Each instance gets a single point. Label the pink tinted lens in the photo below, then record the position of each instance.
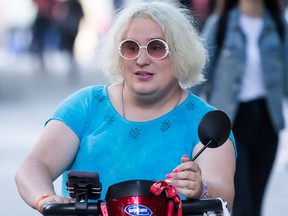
(156, 49)
(129, 49)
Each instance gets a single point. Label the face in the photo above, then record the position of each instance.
(146, 75)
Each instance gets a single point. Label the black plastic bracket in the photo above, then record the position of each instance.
(81, 204)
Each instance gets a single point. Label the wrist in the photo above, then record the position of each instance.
(42, 197)
(204, 193)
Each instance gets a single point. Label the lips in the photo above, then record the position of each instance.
(144, 75)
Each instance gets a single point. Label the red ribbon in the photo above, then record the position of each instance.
(158, 187)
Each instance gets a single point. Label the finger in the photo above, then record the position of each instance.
(63, 199)
(185, 158)
(185, 175)
(185, 179)
(182, 176)
(189, 165)
(48, 200)
(54, 199)
(189, 188)
(188, 193)
(68, 200)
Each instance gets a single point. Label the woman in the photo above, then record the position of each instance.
(144, 124)
(247, 78)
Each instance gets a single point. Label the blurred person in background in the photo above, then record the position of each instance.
(67, 15)
(55, 28)
(247, 78)
(118, 4)
(201, 9)
(41, 28)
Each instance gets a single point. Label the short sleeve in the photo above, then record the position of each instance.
(76, 110)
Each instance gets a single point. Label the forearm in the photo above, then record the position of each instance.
(33, 179)
(223, 189)
(219, 174)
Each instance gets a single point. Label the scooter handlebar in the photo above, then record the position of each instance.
(189, 207)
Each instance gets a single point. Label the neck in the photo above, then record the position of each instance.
(148, 110)
(252, 8)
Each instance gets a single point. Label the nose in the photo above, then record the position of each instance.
(143, 58)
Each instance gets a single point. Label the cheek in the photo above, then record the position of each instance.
(168, 68)
(126, 67)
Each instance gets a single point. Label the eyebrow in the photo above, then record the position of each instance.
(149, 39)
(156, 38)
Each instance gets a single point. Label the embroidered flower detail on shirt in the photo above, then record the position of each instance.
(165, 126)
(134, 133)
(109, 119)
(190, 106)
(100, 98)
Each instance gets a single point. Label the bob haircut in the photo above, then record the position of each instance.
(177, 25)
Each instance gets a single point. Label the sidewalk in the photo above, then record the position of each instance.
(28, 98)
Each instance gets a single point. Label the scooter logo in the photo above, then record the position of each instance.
(138, 210)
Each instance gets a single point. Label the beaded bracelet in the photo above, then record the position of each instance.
(40, 199)
(205, 189)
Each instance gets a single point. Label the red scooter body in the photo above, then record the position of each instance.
(133, 198)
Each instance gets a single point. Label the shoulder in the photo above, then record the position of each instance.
(198, 106)
(85, 97)
(201, 103)
(91, 91)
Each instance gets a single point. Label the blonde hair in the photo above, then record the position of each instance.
(178, 26)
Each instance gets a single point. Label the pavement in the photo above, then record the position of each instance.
(28, 96)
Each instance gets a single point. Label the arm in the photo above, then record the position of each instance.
(52, 154)
(216, 166)
(218, 169)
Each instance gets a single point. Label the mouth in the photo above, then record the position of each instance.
(144, 75)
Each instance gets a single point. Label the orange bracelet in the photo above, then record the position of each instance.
(40, 199)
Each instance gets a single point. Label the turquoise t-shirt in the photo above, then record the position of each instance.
(121, 150)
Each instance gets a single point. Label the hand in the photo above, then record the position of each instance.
(187, 178)
(54, 199)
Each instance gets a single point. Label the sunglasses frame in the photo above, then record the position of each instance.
(143, 47)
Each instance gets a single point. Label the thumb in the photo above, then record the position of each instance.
(185, 158)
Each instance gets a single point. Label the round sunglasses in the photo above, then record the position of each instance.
(156, 49)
